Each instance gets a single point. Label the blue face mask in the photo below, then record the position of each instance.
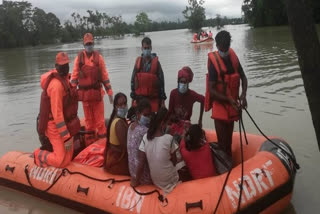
(144, 120)
(122, 112)
(146, 52)
(183, 87)
(223, 54)
(89, 48)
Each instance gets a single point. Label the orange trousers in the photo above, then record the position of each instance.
(94, 118)
(59, 158)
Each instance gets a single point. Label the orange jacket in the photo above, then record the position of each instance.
(227, 84)
(146, 83)
(56, 93)
(90, 62)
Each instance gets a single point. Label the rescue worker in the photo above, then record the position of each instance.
(210, 34)
(223, 84)
(90, 73)
(57, 122)
(147, 78)
(195, 35)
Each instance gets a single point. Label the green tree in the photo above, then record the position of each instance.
(142, 23)
(195, 14)
(14, 23)
(46, 27)
(261, 13)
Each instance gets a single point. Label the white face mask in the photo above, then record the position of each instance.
(122, 112)
(183, 87)
(89, 48)
(223, 54)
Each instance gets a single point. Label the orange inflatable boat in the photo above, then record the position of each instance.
(267, 179)
(208, 39)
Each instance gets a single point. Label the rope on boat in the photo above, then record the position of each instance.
(241, 152)
(64, 173)
(241, 126)
(160, 196)
(296, 165)
(113, 181)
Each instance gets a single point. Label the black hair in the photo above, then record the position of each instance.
(143, 104)
(146, 40)
(193, 136)
(131, 114)
(223, 39)
(156, 120)
(114, 112)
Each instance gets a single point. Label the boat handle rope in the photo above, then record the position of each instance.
(64, 173)
(160, 196)
(241, 126)
(113, 181)
(296, 165)
(26, 171)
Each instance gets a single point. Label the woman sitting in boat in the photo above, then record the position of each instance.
(116, 156)
(181, 103)
(159, 151)
(196, 153)
(135, 133)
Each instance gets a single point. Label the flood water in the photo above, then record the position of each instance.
(276, 97)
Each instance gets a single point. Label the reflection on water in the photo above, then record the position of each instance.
(276, 95)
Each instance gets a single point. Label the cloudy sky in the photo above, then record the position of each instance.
(157, 10)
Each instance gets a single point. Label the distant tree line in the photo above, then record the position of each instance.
(23, 25)
(259, 13)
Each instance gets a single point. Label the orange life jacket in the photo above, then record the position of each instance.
(147, 82)
(89, 79)
(70, 107)
(227, 84)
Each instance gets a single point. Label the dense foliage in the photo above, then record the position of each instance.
(272, 12)
(22, 25)
(195, 14)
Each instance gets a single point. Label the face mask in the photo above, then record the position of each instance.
(144, 120)
(183, 87)
(223, 54)
(146, 52)
(89, 48)
(122, 112)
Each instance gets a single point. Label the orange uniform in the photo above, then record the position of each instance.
(57, 130)
(93, 110)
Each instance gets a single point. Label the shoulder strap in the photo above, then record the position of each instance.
(221, 73)
(138, 63)
(96, 55)
(154, 65)
(81, 59)
(63, 82)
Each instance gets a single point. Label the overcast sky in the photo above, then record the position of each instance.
(157, 10)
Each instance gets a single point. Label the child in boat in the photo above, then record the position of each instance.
(116, 156)
(181, 103)
(196, 153)
(135, 133)
(159, 151)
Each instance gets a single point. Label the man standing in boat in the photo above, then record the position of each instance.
(147, 78)
(90, 73)
(223, 84)
(57, 121)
